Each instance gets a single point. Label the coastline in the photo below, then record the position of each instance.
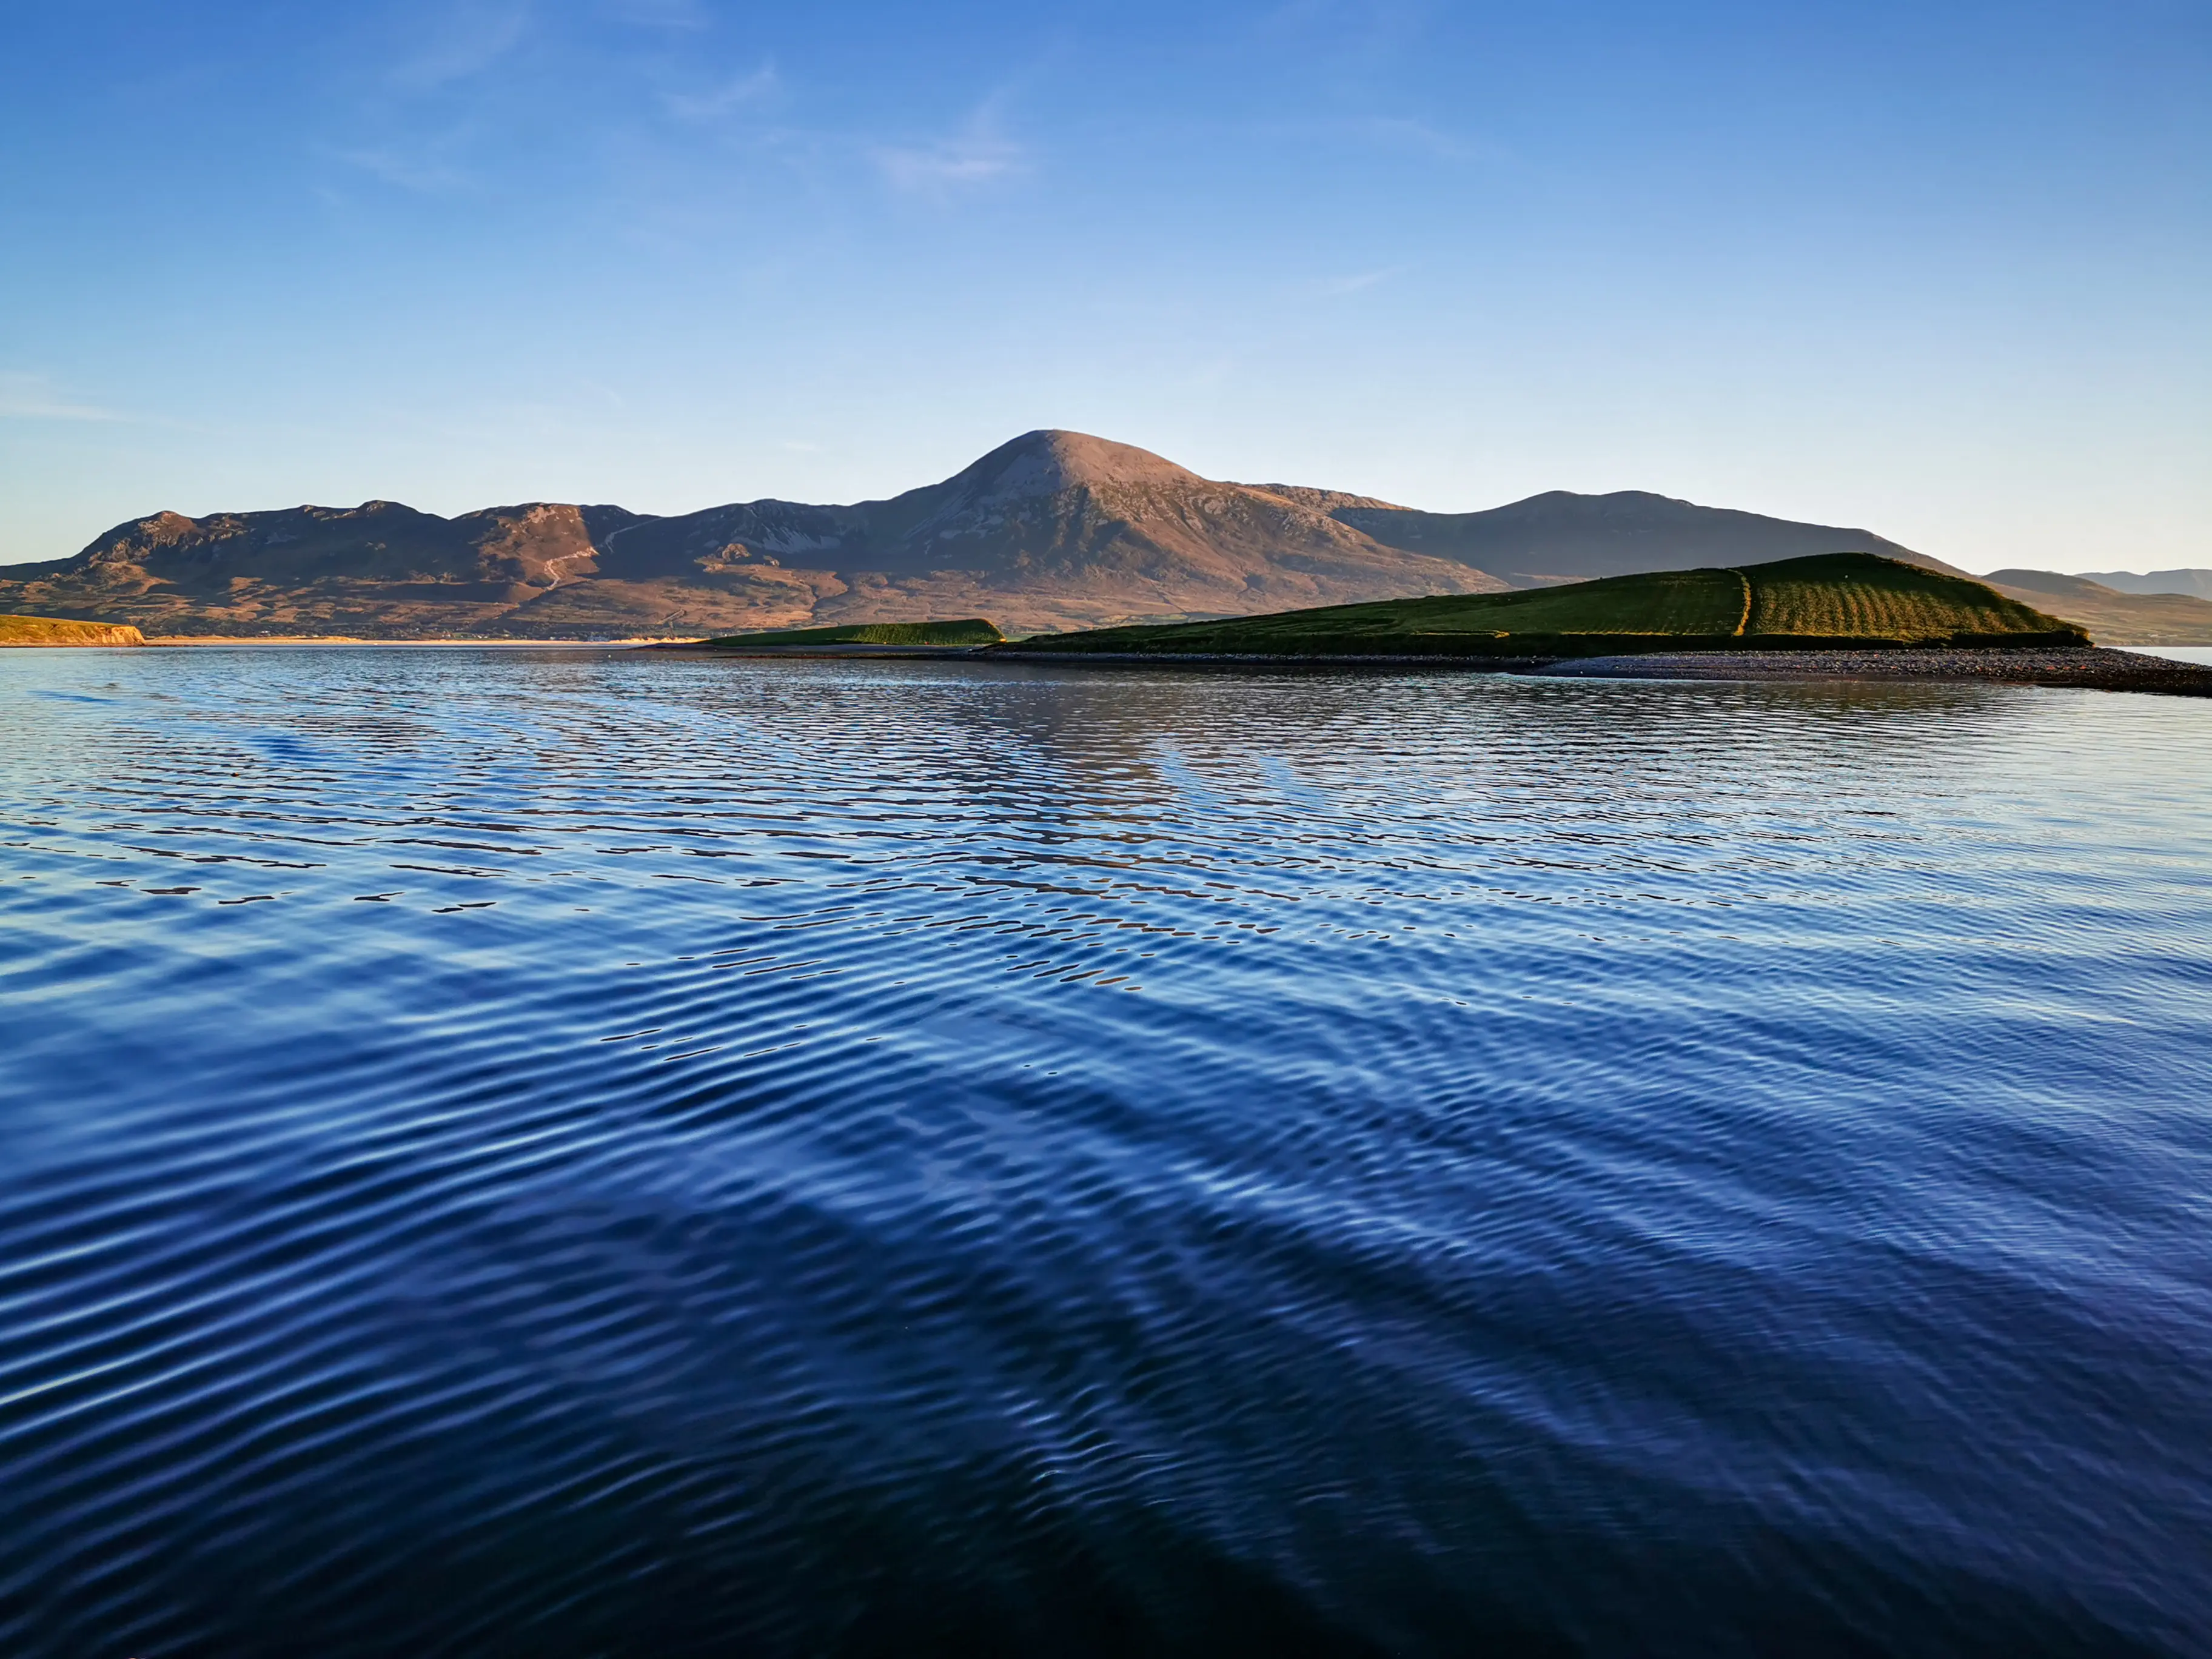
(2084, 667)
(190, 640)
(1480, 665)
(2088, 667)
(702, 648)
(2080, 667)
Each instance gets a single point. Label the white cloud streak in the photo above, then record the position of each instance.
(25, 396)
(421, 170)
(762, 86)
(978, 156)
(1334, 287)
(673, 14)
(468, 40)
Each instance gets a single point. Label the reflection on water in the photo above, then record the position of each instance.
(574, 1152)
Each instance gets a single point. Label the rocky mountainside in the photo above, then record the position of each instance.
(1055, 529)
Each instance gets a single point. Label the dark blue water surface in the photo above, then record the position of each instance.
(538, 1151)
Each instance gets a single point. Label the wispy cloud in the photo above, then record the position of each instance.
(421, 169)
(467, 40)
(1400, 132)
(1405, 135)
(685, 14)
(978, 154)
(25, 396)
(762, 86)
(1361, 34)
(1334, 287)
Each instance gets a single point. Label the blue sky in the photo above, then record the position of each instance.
(1944, 270)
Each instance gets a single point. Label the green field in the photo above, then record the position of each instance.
(973, 630)
(55, 631)
(1837, 598)
(1858, 596)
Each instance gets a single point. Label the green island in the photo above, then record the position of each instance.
(1858, 600)
(968, 631)
(59, 630)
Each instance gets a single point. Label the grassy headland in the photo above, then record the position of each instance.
(1858, 599)
(56, 630)
(972, 631)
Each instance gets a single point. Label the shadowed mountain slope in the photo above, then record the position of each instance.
(1562, 537)
(1053, 529)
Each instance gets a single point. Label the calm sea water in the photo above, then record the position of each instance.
(571, 1153)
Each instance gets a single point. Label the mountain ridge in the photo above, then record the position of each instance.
(2134, 618)
(1558, 536)
(2193, 581)
(1051, 530)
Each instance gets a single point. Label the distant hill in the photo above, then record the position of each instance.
(1561, 537)
(2115, 617)
(1052, 530)
(1837, 598)
(2196, 584)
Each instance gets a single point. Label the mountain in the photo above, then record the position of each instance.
(1562, 537)
(1055, 529)
(2196, 584)
(2114, 617)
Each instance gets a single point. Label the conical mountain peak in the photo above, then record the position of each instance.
(1050, 461)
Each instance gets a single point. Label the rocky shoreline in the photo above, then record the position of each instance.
(708, 648)
(2088, 666)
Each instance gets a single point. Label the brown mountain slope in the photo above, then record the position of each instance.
(379, 570)
(1053, 529)
(2114, 617)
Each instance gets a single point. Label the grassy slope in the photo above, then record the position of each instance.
(1692, 601)
(972, 631)
(53, 630)
(1843, 597)
(1858, 596)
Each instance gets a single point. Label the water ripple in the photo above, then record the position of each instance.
(564, 1152)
